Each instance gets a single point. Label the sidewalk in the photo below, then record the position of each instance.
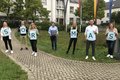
(48, 67)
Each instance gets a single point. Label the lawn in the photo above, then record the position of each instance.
(44, 44)
(9, 70)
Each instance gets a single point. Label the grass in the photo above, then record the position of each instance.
(44, 44)
(9, 70)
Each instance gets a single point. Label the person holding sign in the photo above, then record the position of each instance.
(53, 32)
(111, 36)
(33, 32)
(6, 36)
(90, 34)
(73, 37)
(23, 32)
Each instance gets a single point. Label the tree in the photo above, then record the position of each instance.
(34, 7)
(18, 11)
(5, 6)
(88, 9)
(65, 3)
(116, 17)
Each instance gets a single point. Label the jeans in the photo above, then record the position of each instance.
(54, 42)
(88, 43)
(110, 45)
(34, 45)
(74, 40)
(7, 41)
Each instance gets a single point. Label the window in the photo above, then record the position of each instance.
(71, 9)
(71, 20)
(44, 2)
(108, 15)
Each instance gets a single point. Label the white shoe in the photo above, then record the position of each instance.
(35, 54)
(93, 58)
(11, 52)
(86, 57)
(7, 51)
(108, 55)
(111, 56)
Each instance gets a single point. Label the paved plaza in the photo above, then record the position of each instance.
(48, 67)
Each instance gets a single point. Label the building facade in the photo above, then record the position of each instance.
(56, 8)
(115, 8)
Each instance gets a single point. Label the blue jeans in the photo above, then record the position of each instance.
(110, 45)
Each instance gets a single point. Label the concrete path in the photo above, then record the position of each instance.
(48, 67)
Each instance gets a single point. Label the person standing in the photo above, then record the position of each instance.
(73, 37)
(23, 31)
(6, 36)
(53, 32)
(111, 36)
(90, 34)
(33, 32)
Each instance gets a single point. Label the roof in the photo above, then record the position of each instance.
(116, 4)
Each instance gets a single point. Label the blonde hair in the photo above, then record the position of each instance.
(32, 26)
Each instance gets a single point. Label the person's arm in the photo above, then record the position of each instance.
(10, 33)
(37, 32)
(106, 32)
(116, 32)
(96, 30)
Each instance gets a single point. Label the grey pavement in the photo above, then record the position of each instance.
(48, 67)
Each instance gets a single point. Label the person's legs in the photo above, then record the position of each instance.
(51, 37)
(54, 42)
(87, 47)
(74, 45)
(108, 45)
(35, 47)
(70, 43)
(112, 47)
(10, 44)
(32, 45)
(93, 48)
(25, 42)
(5, 42)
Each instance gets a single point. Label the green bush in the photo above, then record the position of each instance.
(45, 26)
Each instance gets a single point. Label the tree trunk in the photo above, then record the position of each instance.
(65, 11)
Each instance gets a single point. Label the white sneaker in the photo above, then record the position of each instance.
(111, 56)
(93, 58)
(35, 54)
(86, 57)
(7, 51)
(11, 52)
(108, 55)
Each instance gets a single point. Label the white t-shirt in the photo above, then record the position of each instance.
(90, 32)
(33, 34)
(5, 31)
(73, 33)
(23, 30)
(111, 35)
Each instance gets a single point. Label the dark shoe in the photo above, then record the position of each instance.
(21, 49)
(26, 48)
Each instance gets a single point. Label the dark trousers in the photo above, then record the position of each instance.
(7, 41)
(92, 43)
(34, 45)
(110, 45)
(74, 41)
(54, 42)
